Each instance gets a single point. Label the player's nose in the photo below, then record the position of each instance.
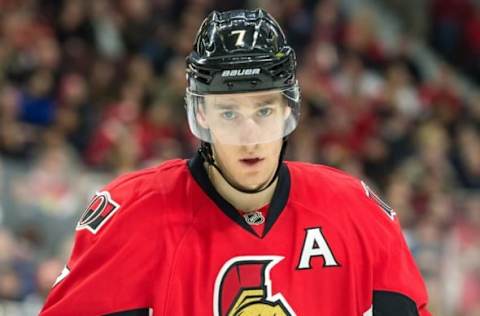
(251, 132)
(250, 149)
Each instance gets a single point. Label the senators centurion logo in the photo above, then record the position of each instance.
(101, 208)
(244, 288)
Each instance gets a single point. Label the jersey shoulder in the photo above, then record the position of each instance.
(329, 186)
(158, 179)
(138, 196)
(323, 179)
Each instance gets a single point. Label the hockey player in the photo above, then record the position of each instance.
(236, 230)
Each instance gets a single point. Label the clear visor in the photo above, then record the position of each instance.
(243, 118)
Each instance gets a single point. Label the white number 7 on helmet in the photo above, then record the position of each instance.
(241, 35)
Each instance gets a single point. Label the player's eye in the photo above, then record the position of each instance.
(265, 111)
(229, 115)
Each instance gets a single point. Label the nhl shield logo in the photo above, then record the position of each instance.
(244, 288)
(101, 208)
(254, 218)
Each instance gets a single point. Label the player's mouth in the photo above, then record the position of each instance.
(251, 161)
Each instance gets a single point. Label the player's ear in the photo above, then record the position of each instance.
(201, 116)
(286, 109)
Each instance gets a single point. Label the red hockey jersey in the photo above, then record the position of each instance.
(164, 242)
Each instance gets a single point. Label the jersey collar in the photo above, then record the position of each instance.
(279, 199)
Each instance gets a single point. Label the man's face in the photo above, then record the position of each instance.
(245, 118)
(247, 131)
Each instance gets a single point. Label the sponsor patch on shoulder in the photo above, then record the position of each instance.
(101, 209)
(384, 206)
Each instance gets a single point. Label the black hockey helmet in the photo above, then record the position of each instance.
(240, 51)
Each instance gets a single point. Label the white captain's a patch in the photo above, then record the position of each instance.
(315, 245)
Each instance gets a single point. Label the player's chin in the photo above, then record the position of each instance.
(253, 186)
(254, 180)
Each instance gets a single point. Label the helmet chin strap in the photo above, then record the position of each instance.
(206, 153)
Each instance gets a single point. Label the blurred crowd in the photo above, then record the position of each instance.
(450, 27)
(90, 89)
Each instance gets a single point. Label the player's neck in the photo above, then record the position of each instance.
(240, 200)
